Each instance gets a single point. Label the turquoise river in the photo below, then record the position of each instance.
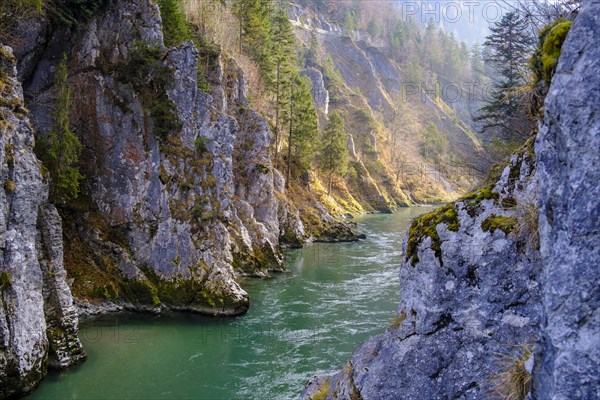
(304, 322)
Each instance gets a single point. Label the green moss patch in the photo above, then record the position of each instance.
(184, 292)
(552, 46)
(426, 226)
(473, 200)
(550, 39)
(5, 280)
(139, 291)
(493, 222)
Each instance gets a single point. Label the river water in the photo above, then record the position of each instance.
(307, 321)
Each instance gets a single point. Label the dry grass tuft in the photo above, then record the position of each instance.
(513, 382)
(528, 226)
(322, 392)
(398, 320)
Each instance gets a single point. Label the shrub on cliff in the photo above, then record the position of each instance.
(174, 27)
(150, 78)
(59, 150)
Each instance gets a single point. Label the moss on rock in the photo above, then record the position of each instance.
(473, 200)
(505, 224)
(552, 46)
(426, 225)
(139, 291)
(5, 280)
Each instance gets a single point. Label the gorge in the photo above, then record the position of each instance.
(169, 156)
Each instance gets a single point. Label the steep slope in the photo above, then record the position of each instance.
(478, 290)
(38, 322)
(386, 114)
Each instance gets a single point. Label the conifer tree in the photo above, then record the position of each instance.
(476, 62)
(255, 32)
(302, 121)
(333, 156)
(312, 57)
(173, 21)
(284, 55)
(508, 50)
(62, 146)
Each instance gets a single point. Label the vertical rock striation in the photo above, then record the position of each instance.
(38, 322)
(319, 92)
(568, 158)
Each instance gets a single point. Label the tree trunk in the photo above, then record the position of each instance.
(276, 155)
(289, 161)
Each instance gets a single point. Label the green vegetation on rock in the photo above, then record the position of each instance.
(145, 71)
(473, 200)
(552, 46)
(5, 280)
(60, 149)
(426, 226)
(174, 27)
(505, 224)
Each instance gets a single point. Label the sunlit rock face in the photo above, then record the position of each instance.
(319, 92)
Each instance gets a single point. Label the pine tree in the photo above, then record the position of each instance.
(312, 56)
(398, 38)
(476, 63)
(350, 23)
(432, 50)
(373, 28)
(333, 156)
(508, 49)
(255, 33)
(284, 54)
(173, 21)
(302, 121)
(61, 145)
(452, 60)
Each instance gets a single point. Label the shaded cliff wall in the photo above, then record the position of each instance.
(179, 194)
(38, 322)
(568, 158)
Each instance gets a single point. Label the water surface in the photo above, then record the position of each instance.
(301, 323)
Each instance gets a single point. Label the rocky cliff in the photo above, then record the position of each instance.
(179, 194)
(568, 157)
(38, 322)
(501, 286)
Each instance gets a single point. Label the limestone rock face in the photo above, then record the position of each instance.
(468, 291)
(174, 212)
(319, 92)
(568, 157)
(38, 322)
